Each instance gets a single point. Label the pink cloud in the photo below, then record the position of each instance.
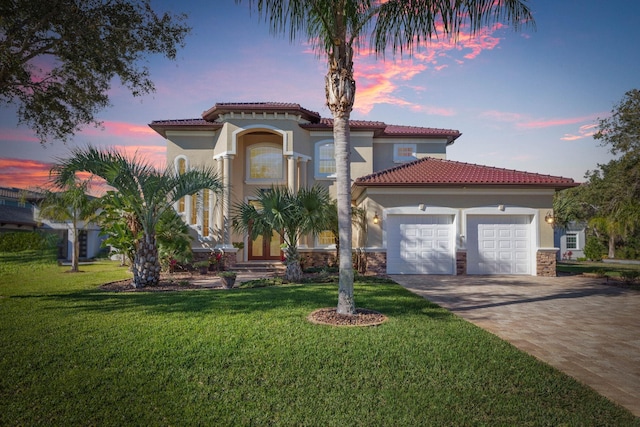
(502, 116)
(155, 155)
(18, 135)
(585, 131)
(378, 81)
(34, 175)
(23, 173)
(120, 129)
(541, 124)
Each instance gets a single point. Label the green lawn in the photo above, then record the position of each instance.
(71, 354)
(603, 268)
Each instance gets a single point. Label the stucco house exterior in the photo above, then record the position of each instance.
(425, 214)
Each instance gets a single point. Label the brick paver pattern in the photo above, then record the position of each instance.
(581, 326)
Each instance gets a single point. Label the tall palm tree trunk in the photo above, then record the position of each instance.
(75, 250)
(340, 90)
(146, 266)
(293, 272)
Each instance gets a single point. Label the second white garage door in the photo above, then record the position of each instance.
(499, 244)
(420, 244)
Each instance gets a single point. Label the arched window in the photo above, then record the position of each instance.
(325, 160)
(265, 163)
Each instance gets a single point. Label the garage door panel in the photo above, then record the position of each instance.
(498, 244)
(420, 244)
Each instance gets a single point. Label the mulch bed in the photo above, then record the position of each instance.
(173, 282)
(363, 317)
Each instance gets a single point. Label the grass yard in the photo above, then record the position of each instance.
(619, 271)
(71, 354)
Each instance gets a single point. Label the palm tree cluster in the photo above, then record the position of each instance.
(144, 195)
(290, 214)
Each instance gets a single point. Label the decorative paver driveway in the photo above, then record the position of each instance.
(579, 325)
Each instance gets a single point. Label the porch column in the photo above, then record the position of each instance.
(302, 163)
(218, 212)
(226, 203)
(291, 173)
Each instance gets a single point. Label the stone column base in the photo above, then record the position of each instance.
(546, 262)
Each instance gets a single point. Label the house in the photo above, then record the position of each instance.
(570, 240)
(19, 212)
(426, 214)
(16, 210)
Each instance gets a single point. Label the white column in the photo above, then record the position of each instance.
(218, 215)
(226, 208)
(291, 173)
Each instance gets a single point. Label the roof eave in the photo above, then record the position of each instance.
(555, 186)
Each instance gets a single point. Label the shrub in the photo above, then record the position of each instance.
(629, 276)
(594, 249)
(25, 241)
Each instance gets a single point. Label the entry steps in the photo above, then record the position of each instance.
(275, 267)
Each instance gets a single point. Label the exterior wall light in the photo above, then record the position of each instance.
(376, 218)
(548, 218)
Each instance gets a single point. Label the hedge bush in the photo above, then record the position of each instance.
(594, 249)
(25, 241)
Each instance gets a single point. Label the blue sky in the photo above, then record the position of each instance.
(525, 100)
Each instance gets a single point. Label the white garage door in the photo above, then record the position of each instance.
(499, 244)
(420, 244)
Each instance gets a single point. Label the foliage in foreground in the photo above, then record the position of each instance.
(73, 355)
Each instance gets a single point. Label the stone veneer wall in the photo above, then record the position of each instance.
(461, 263)
(377, 262)
(323, 258)
(546, 262)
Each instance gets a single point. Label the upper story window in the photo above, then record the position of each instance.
(325, 160)
(404, 153)
(265, 163)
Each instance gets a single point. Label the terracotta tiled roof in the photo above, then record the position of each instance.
(249, 107)
(429, 171)
(382, 129)
(161, 126)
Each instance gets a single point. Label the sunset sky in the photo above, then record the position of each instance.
(526, 100)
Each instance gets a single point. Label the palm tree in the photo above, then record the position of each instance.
(336, 28)
(72, 205)
(290, 214)
(147, 192)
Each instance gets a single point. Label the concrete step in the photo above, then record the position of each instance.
(260, 267)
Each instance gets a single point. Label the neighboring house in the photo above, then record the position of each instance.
(19, 212)
(16, 210)
(426, 215)
(571, 240)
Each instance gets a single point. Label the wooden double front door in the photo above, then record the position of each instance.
(265, 249)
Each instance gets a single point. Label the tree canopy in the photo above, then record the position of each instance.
(622, 129)
(610, 198)
(58, 58)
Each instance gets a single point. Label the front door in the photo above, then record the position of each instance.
(265, 249)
